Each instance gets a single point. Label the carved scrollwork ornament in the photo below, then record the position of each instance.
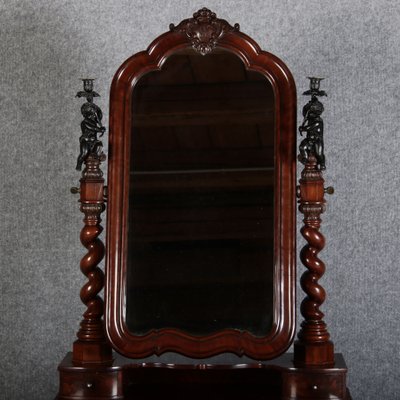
(92, 169)
(204, 30)
(312, 211)
(311, 172)
(92, 212)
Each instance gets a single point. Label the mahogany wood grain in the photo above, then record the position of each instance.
(278, 379)
(313, 346)
(228, 340)
(313, 372)
(92, 346)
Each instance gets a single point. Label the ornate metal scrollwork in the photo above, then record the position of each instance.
(313, 126)
(204, 30)
(90, 145)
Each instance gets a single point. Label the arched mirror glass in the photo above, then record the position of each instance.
(200, 255)
(201, 197)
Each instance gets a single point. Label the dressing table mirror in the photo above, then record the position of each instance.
(200, 252)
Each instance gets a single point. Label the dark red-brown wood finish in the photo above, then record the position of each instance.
(273, 380)
(313, 346)
(204, 33)
(91, 345)
(91, 371)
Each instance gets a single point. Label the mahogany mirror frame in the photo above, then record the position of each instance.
(228, 340)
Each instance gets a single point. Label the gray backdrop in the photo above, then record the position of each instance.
(46, 46)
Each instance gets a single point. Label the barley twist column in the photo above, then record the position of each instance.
(313, 346)
(91, 346)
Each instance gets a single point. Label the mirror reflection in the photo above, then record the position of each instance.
(200, 229)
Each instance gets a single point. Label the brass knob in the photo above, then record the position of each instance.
(105, 193)
(75, 190)
(329, 190)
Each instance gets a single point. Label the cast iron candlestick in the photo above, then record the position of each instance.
(90, 126)
(313, 346)
(91, 346)
(313, 126)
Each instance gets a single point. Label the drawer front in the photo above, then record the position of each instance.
(82, 385)
(314, 385)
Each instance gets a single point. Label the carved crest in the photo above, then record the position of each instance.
(204, 30)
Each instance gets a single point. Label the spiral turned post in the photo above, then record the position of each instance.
(313, 346)
(91, 346)
(92, 326)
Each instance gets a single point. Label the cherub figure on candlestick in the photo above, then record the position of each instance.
(90, 126)
(313, 126)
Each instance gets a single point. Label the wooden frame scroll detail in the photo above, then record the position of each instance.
(203, 32)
